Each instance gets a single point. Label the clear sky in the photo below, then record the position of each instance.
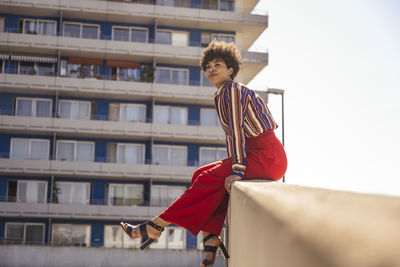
(339, 64)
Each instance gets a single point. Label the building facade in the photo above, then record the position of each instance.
(105, 113)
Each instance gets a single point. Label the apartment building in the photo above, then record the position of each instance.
(105, 113)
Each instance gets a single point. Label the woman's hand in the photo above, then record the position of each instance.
(229, 180)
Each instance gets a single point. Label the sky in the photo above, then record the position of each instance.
(339, 64)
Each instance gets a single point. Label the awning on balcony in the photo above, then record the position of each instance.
(83, 60)
(4, 56)
(34, 58)
(123, 64)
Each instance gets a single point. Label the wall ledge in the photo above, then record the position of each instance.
(278, 225)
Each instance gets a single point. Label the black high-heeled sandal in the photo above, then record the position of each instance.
(213, 249)
(128, 228)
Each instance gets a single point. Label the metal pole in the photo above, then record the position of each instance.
(283, 127)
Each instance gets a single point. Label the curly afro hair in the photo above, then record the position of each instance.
(229, 53)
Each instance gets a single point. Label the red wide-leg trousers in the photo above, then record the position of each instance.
(203, 206)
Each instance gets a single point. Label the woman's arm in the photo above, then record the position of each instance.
(237, 141)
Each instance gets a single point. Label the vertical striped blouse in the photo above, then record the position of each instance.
(242, 114)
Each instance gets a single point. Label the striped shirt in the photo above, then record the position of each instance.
(243, 114)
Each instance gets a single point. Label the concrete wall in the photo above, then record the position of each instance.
(24, 256)
(279, 225)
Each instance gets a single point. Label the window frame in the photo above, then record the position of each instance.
(172, 33)
(87, 202)
(170, 113)
(35, 68)
(164, 186)
(75, 148)
(170, 74)
(219, 35)
(124, 242)
(30, 146)
(169, 154)
(25, 224)
(202, 73)
(34, 100)
(202, 148)
(37, 181)
(3, 63)
(3, 19)
(71, 225)
(81, 29)
(125, 187)
(37, 24)
(131, 144)
(130, 33)
(131, 104)
(77, 102)
(216, 116)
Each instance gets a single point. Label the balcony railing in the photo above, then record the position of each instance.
(107, 37)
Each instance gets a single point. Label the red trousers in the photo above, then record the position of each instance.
(203, 206)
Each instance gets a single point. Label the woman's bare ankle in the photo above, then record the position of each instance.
(160, 222)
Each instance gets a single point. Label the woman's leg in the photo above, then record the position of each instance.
(202, 200)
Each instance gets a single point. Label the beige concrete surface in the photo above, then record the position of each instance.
(278, 225)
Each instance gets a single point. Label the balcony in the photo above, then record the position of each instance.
(112, 129)
(96, 170)
(119, 11)
(253, 62)
(77, 211)
(92, 87)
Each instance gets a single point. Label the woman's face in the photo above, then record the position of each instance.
(217, 73)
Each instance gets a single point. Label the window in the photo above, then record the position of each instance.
(165, 195)
(227, 38)
(71, 234)
(132, 34)
(212, 154)
(125, 194)
(170, 155)
(71, 193)
(35, 149)
(26, 68)
(174, 76)
(204, 81)
(177, 38)
(223, 5)
(2, 24)
(170, 115)
(75, 151)
(76, 110)
(36, 68)
(41, 27)
(2, 66)
(176, 3)
(25, 233)
(27, 191)
(33, 107)
(209, 117)
(227, 5)
(82, 70)
(127, 112)
(172, 238)
(207, 37)
(125, 74)
(165, 2)
(130, 153)
(125, 153)
(209, 4)
(115, 238)
(79, 30)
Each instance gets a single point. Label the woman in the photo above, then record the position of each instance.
(253, 149)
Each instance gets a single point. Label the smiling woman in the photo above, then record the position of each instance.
(253, 151)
